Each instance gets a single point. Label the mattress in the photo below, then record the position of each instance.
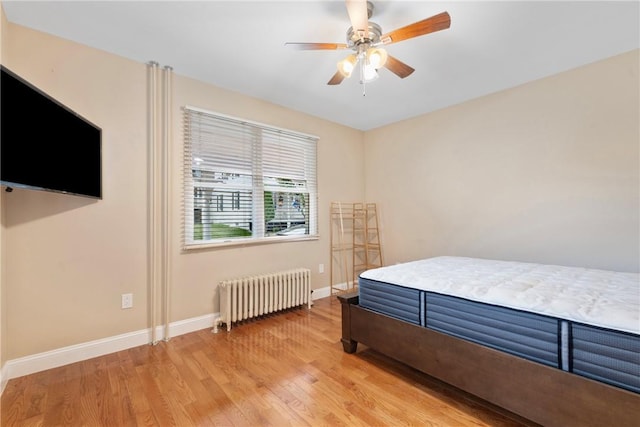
(585, 321)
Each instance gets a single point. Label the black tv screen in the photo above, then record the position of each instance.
(45, 145)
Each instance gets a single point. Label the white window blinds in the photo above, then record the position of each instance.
(246, 180)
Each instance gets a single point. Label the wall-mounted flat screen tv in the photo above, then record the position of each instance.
(45, 145)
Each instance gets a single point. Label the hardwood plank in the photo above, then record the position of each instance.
(284, 369)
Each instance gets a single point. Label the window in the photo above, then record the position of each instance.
(245, 181)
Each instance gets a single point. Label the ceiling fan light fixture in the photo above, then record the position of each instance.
(376, 57)
(347, 65)
(368, 73)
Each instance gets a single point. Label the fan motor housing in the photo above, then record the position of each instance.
(354, 39)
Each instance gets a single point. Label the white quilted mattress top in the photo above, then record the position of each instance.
(601, 298)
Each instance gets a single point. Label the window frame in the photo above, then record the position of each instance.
(257, 215)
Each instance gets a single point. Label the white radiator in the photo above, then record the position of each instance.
(252, 296)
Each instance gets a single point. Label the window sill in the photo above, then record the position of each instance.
(249, 242)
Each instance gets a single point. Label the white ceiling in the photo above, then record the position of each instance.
(240, 45)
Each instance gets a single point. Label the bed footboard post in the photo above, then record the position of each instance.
(347, 300)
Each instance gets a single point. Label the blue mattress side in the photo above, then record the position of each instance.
(608, 356)
(528, 335)
(392, 300)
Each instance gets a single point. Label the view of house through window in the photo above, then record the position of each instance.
(245, 180)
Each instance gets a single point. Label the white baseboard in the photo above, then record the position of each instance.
(326, 291)
(75, 353)
(320, 293)
(4, 377)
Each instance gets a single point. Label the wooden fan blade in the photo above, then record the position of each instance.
(438, 22)
(316, 46)
(398, 67)
(359, 16)
(336, 79)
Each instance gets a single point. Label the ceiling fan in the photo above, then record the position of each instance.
(365, 38)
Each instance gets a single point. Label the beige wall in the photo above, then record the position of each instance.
(68, 259)
(545, 172)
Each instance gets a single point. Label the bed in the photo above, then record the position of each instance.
(557, 345)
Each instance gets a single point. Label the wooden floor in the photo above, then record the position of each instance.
(286, 369)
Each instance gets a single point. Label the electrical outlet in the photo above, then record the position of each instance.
(321, 268)
(127, 300)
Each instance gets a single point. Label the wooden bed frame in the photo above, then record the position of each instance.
(542, 394)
